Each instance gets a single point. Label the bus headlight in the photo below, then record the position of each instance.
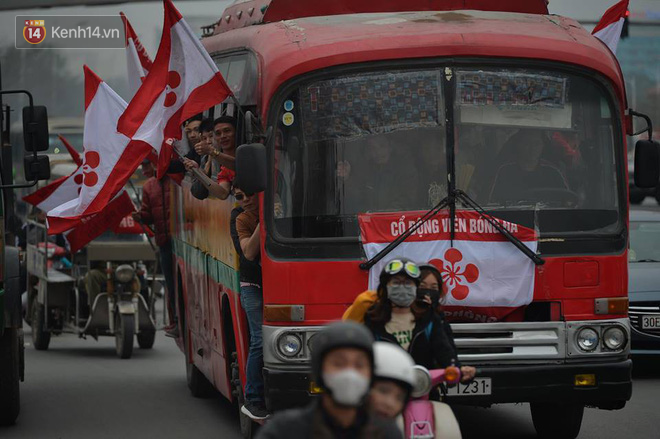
(614, 338)
(587, 339)
(289, 344)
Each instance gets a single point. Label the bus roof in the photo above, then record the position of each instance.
(293, 47)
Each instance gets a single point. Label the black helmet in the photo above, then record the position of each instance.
(402, 266)
(338, 335)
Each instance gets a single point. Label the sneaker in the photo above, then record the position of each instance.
(255, 410)
(172, 331)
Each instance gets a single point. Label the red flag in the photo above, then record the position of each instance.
(183, 81)
(608, 29)
(72, 151)
(91, 227)
(109, 161)
(129, 226)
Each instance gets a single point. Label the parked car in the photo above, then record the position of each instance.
(644, 281)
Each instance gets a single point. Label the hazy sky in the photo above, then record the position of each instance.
(147, 20)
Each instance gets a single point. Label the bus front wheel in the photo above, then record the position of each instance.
(557, 421)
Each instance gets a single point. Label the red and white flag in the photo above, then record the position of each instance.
(91, 227)
(486, 277)
(58, 192)
(137, 59)
(608, 29)
(110, 158)
(75, 156)
(183, 81)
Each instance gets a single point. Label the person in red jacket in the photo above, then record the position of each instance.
(155, 210)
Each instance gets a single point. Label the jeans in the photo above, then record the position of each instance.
(253, 302)
(167, 266)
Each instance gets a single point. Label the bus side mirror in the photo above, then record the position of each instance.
(36, 167)
(35, 128)
(647, 163)
(251, 168)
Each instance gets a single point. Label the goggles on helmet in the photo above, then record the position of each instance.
(396, 266)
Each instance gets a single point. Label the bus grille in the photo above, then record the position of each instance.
(643, 308)
(528, 343)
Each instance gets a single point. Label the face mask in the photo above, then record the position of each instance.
(433, 294)
(347, 387)
(402, 295)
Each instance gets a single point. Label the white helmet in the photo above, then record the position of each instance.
(391, 362)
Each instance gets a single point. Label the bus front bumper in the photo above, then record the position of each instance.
(555, 383)
(510, 384)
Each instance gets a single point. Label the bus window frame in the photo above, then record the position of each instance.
(348, 248)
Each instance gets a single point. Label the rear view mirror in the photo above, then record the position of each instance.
(647, 163)
(36, 168)
(251, 168)
(35, 128)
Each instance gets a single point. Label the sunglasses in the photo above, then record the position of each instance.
(241, 197)
(396, 266)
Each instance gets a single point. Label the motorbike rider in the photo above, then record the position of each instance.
(342, 365)
(426, 304)
(397, 318)
(394, 378)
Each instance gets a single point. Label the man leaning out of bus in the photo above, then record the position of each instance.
(244, 227)
(223, 152)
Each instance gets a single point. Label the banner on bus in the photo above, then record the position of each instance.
(486, 277)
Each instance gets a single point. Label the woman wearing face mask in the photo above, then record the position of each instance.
(342, 365)
(431, 293)
(396, 317)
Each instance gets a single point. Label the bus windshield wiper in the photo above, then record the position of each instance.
(450, 201)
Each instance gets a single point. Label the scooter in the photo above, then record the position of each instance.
(426, 419)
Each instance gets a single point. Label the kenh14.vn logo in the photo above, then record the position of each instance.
(34, 31)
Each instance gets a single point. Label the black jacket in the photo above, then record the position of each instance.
(250, 271)
(430, 347)
(311, 423)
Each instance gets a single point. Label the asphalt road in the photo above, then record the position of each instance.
(79, 389)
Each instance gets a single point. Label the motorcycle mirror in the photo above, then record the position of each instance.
(423, 382)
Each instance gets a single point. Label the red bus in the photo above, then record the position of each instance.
(321, 79)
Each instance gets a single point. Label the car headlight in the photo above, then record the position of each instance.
(423, 383)
(614, 338)
(587, 339)
(124, 273)
(289, 344)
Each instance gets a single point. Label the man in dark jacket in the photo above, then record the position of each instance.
(155, 210)
(342, 365)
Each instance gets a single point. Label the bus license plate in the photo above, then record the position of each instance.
(478, 386)
(650, 322)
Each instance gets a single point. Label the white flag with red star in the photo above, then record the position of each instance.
(183, 81)
(109, 159)
(608, 30)
(137, 58)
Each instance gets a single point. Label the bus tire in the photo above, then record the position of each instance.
(557, 421)
(40, 336)
(10, 398)
(199, 385)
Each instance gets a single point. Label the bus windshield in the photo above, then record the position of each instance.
(533, 147)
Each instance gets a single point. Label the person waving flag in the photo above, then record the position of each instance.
(608, 29)
(137, 59)
(109, 160)
(183, 81)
